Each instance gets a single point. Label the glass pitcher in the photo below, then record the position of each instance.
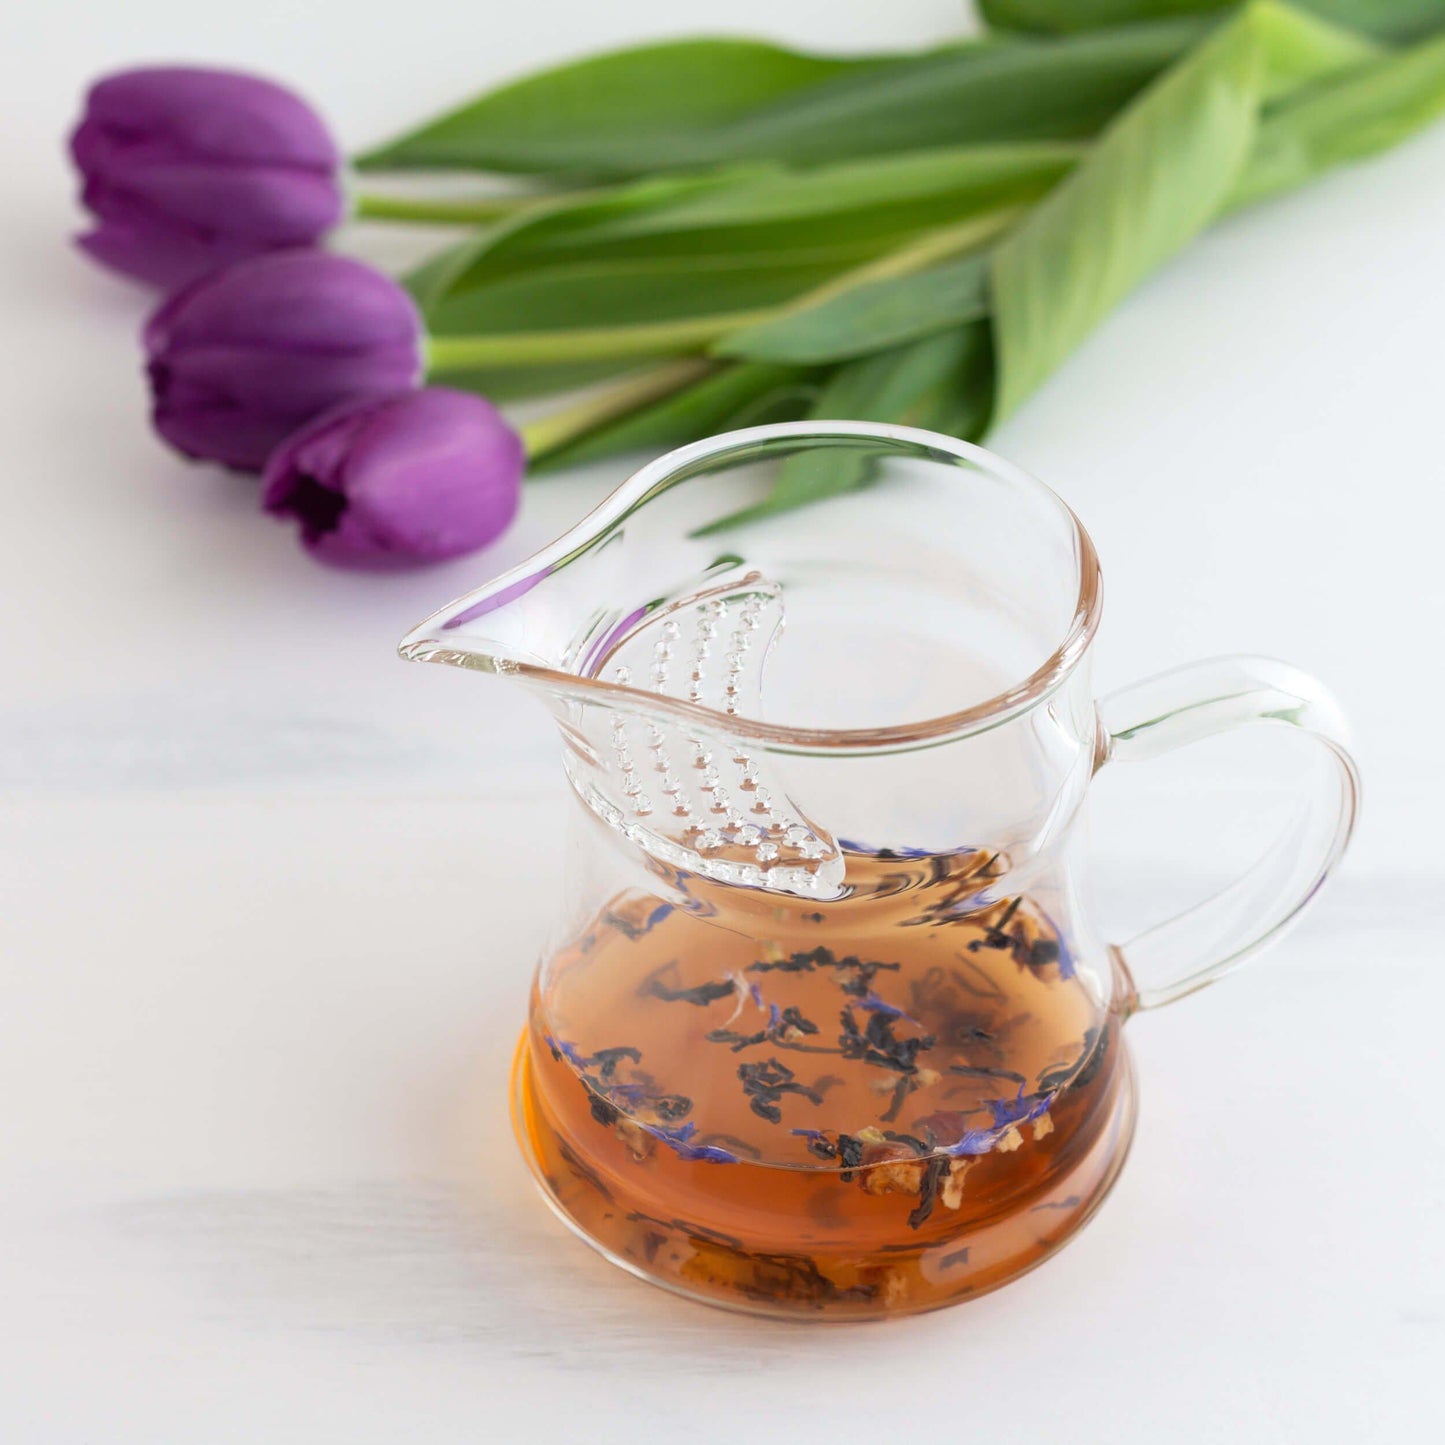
(824, 1027)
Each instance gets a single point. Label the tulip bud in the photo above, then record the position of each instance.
(241, 358)
(187, 169)
(399, 481)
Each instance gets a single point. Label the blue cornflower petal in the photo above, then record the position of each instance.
(1008, 1112)
(707, 1154)
(1065, 960)
(974, 1141)
(570, 1052)
(677, 1140)
(876, 1005)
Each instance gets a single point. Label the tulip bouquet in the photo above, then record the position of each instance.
(703, 234)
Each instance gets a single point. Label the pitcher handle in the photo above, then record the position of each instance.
(1200, 700)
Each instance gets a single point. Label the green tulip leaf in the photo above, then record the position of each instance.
(953, 234)
(839, 214)
(1366, 111)
(1396, 20)
(869, 317)
(818, 289)
(618, 293)
(1158, 176)
(1067, 17)
(612, 113)
(942, 383)
(733, 395)
(962, 176)
(700, 103)
(549, 225)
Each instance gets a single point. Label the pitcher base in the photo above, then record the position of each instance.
(815, 1263)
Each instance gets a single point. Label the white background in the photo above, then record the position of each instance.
(269, 899)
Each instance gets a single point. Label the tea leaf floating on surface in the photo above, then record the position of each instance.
(702, 994)
(766, 1082)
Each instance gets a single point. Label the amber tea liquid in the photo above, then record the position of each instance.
(889, 1104)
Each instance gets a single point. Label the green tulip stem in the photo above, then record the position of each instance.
(928, 249)
(641, 389)
(450, 354)
(451, 211)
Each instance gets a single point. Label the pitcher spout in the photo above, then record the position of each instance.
(492, 629)
(648, 673)
(569, 608)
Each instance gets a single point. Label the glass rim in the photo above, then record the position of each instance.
(422, 643)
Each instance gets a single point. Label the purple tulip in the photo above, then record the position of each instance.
(399, 481)
(186, 170)
(241, 358)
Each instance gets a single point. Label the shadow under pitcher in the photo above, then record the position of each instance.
(824, 1028)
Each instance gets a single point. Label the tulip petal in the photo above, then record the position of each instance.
(273, 205)
(162, 258)
(189, 169)
(299, 300)
(400, 482)
(224, 115)
(242, 357)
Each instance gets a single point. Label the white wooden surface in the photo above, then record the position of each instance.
(268, 899)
